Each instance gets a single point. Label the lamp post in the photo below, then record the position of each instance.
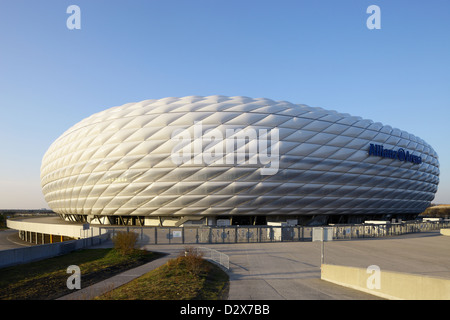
(322, 234)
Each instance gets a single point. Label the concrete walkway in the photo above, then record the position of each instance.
(291, 270)
(104, 286)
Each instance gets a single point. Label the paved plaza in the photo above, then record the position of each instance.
(291, 270)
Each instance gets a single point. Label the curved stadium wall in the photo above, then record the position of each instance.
(216, 156)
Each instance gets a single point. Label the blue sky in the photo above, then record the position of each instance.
(315, 52)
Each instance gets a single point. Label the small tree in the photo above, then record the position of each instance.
(125, 242)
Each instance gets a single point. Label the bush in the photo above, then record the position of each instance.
(440, 211)
(125, 242)
(2, 221)
(193, 260)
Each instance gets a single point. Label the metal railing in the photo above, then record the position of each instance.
(215, 256)
(343, 232)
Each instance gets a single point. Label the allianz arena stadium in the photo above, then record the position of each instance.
(235, 160)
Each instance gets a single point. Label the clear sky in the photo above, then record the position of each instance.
(315, 52)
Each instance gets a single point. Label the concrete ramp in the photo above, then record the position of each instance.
(388, 284)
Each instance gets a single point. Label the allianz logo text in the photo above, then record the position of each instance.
(400, 154)
(239, 146)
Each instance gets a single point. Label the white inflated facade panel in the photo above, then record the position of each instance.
(118, 162)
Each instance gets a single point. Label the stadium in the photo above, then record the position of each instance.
(220, 160)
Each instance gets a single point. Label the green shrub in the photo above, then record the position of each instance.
(125, 242)
(440, 211)
(193, 260)
(2, 221)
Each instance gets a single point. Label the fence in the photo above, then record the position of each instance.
(211, 235)
(215, 256)
(11, 257)
(341, 232)
(256, 234)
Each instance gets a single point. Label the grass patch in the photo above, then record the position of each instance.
(46, 279)
(187, 277)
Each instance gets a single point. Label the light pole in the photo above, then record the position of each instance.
(322, 234)
(322, 251)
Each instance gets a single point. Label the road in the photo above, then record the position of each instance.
(9, 239)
